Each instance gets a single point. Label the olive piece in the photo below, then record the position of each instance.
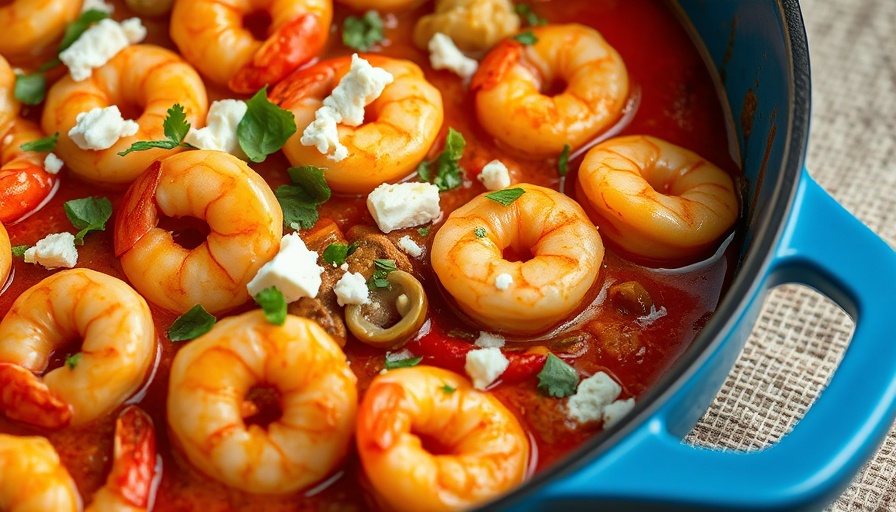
(370, 323)
(150, 7)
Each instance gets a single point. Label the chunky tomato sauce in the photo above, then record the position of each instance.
(673, 97)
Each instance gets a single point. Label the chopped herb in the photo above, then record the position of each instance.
(557, 379)
(44, 144)
(563, 161)
(364, 32)
(379, 279)
(264, 127)
(192, 324)
(506, 196)
(299, 201)
(480, 232)
(18, 251)
(176, 127)
(449, 174)
(424, 231)
(31, 89)
(273, 304)
(74, 29)
(72, 360)
(402, 363)
(527, 38)
(448, 389)
(335, 254)
(530, 18)
(88, 214)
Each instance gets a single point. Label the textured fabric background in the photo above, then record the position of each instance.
(801, 336)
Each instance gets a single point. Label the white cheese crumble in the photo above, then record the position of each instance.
(351, 289)
(97, 5)
(503, 281)
(403, 205)
(592, 396)
(294, 271)
(54, 251)
(489, 340)
(219, 133)
(52, 163)
(495, 176)
(358, 88)
(399, 356)
(99, 43)
(408, 245)
(485, 365)
(652, 316)
(444, 54)
(615, 411)
(100, 128)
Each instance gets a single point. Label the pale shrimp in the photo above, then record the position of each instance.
(25, 183)
(119, 344)
(478, 448)
(31, 28)
(245, 225)
(210, 403)
(473, 25)
(143, 79)
(33, 478)
(512, 84)
(656, 200)
(400, 125)
(211, 35)
(522, 294)
(5, 255)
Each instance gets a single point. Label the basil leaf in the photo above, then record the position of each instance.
(402, 363)
(264, 128)
(563, 161)
(424, 231)
(88, 214)
(527, 38)
(379, 279)
(74, 30)
(273, 304)
(44, 144)
(311, 179)
(335, 254)
(192, 324)
(364, 32)
(31, 89)
(557, 379)
(506, 196)
(72, 360)
(449, 174)
(299, 201)
(18, 251)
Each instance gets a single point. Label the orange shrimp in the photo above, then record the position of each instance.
(30, 27)
(5, 255)
(25, 183)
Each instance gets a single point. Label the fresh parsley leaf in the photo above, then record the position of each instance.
(299, 201)
(264, 127)
(335, 254)
(448, 174)
(176, 128)
(72, 360)
(424, 231)
(557, 379)
(74, 30)
(364, 32)
(563, 161)
(527, 38)
(88, 214)
(273, 304)
(18, 251)
(506, 196)
(530, 18)
(31, 89)
(448, 389)
(44, 144)
(402, 363)
(379, 278)
(480, 232)
(192, 324)
(386, 265)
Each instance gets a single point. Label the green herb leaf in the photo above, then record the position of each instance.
(273, 304)
(192, 324)
(364, 32)
(379, 279)
(402, 363)
(74, 30)
(527, 38)
(18, 251)
(480, 232)
(311, 179)
(424, 231)
(506, 196)
(530, 18)
(449, 174)
(299, 201)
(563, 161)
(176, 128)
(448, 389)
(31, 89)
(72, 360)
(44, 144)
(264, 128)
(335, 254)
(88, 214)
(557, 379)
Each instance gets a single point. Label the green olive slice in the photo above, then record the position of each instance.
(408, 299)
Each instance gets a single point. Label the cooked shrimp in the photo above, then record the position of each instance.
(5, 255)
(521, 296)
(9, 105)
(483, 449)
(33, 477)
(473, 25)
(142, 77)
(31, 27)
(24, 181)
(209, 402)
(243, 216)
(118, 346)
(402, 123)
(656, 200)
(381, 5)
(211, 35)
(511, 103)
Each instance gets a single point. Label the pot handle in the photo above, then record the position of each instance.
(824, 247)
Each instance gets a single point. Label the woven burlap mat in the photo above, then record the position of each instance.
(801, 336)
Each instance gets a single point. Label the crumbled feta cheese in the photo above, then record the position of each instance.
(97, 5)
(54, 251)
(100, 128)
(615, 411)
(488, 340)
(344, 266)
(443, 54)
(358, 88)
(503, 281)
(399, 356)
(408, 245)
(485, 365)
(352, 289)
(403, 205)
(219, 133)
(52, 163)
(99, 43)
(652, 316)
(294, 271)
(592, 396)
(495, 175)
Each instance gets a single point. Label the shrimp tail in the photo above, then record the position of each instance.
(302, 84)
(24, 397)
(294, 44)
(134, 464)
(23, 186)
(496, 64)
(142, 213)
(380, 422)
